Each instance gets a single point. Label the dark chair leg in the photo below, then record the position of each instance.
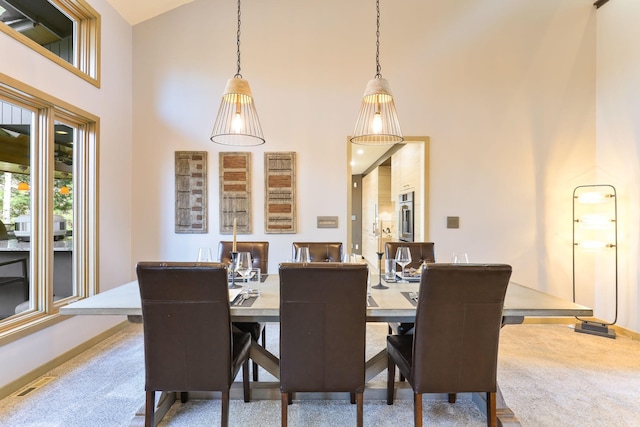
(360, 409)
(245, 381)
(401, 377)
(285, 409)
(255, 371)
(452, 397)
(492, 417)
(352, 398)
(417, 409)
(150, 407)
(290, 398)
(184, 396)
(224, 399)
(391, 378)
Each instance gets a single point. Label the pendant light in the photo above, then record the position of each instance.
(237, 122)
(377, 122)
(23, 185)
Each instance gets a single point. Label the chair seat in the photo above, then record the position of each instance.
(241, 348)
(253, 328)
(400, 348)
(402, 328)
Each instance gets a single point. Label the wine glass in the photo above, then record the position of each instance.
(204, 255)
(303, 254)
(460, 258)
(403, 257)
(243, 267)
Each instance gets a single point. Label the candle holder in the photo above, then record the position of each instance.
(379, 285)
(234, 260)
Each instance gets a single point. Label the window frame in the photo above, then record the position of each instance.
(86, 40)
(47, 109)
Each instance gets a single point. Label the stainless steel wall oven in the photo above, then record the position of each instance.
(405, 214)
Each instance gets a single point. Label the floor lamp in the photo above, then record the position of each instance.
(595, 229)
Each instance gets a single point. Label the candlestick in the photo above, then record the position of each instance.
(235, 224)
(380, 285)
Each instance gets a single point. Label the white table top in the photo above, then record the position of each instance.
(520, 301)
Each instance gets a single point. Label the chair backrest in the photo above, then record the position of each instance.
(187, 326)
(321, 251)
(322, 327)
(458, 321)
(259, 253)
(420, 252)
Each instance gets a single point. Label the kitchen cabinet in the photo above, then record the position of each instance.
(408, 173)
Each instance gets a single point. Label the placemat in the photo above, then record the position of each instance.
(406, 295)
(371, 302)
(246, 303)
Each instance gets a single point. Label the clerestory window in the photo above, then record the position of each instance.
(65, 31)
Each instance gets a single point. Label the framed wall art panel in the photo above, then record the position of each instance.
(191, 191)
(280, 192)
(235, 192)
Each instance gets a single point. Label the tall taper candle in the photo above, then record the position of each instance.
(235, 224)
(380, 237)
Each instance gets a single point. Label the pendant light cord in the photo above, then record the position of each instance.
(238, 43)
(378, 68)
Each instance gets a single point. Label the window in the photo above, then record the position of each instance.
(48, 183)
(65, 31)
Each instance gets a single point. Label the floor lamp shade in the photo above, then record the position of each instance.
(377, 123)
(237, 122)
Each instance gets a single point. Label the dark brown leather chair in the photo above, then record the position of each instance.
(188, 343)
(321, 251)
(260, 259)
(454, 347)
(259, 253)
(317, 352)
(421, 252)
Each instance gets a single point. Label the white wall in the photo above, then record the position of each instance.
(504, 88)
(112, 103)
(618, 135)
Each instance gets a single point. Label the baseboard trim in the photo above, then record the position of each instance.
(27, 378)
(571, 320)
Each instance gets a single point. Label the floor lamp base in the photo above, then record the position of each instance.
(595, 328)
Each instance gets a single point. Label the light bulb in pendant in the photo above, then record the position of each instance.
(376, 125)
(237, 123)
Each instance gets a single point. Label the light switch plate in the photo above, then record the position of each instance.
(453, 222)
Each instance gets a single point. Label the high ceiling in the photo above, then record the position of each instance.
(136, 11)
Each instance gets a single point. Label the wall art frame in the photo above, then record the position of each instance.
(280, 192)
(191, 192)
(235, 192)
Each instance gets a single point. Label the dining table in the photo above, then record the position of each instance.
(396, 303)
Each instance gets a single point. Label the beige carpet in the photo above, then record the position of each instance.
(549, 375)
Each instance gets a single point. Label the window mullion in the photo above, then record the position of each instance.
(42, 210)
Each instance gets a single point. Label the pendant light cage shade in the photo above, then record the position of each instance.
(377, 122)
(237, 122)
